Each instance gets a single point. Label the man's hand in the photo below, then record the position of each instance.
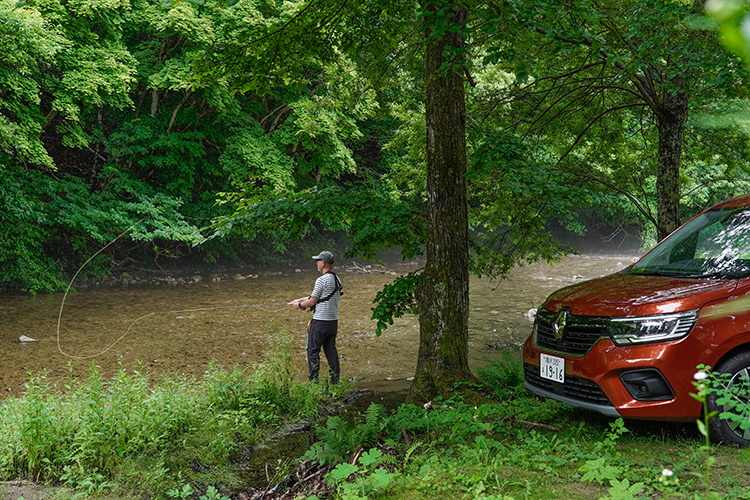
(296, 303)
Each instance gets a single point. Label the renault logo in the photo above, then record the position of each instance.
(560, 322)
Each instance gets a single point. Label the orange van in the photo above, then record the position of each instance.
(627, 345)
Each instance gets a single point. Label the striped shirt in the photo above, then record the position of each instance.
(324, 286)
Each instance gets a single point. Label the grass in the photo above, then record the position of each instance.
(519, 447)
(129, 437)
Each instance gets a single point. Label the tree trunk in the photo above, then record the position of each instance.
(443, 291)
(671, 120)
(671, 117)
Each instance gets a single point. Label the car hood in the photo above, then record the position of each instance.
(633, 295)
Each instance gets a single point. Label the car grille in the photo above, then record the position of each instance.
(580, 389)
(581, 333)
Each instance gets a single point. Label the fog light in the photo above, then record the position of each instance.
(647, 385)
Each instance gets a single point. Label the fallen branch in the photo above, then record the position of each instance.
(313, 475)
(361, 268)
(526, 422)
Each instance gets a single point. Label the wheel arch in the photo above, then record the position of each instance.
(732, 352)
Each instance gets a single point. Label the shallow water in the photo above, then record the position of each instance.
(234, 321)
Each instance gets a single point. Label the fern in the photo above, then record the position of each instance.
(375, 420)
(375, 415)
(410, 451)
(339, 437)
(503, 374)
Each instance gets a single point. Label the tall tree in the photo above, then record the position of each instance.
(442, 295)
(443, 290)
(597, 59)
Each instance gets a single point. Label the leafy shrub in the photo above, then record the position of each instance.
(98, 433)
(50, 227)
(503, 375)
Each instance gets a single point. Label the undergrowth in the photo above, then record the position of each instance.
(129, 437)
(519, 447)
(129, 433)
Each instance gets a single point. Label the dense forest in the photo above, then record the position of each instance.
(139, 133)
(251, 130)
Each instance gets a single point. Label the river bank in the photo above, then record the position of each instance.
(221, 317)
(513, 446)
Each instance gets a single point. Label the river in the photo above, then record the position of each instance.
(235, 320)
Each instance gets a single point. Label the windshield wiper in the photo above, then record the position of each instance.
(721, 274)
(657, 272)
(715, 274)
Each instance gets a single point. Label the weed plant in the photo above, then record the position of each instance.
(129, 433)
(128, 437)
(521, 447)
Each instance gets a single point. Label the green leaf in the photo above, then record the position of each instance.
(370, 457)
(381, 478)
(702, 427)
(623, 490)
(342, 471)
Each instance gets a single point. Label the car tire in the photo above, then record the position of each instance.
(737, 367)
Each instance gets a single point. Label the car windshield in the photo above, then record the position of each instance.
(716, 244)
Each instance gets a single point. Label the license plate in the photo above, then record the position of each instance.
(552, 368)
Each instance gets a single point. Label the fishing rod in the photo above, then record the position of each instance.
(70, 285)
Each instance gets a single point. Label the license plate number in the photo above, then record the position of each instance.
(552, 368)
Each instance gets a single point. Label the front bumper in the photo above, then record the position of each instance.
(607, 410)
(576, 391)
(593, 380)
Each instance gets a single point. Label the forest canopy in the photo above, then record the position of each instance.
(126, 116)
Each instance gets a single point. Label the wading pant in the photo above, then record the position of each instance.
(322, 334)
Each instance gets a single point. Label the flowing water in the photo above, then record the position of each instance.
(234, 321)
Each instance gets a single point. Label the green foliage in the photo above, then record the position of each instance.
(591, 85)
(172, 160)
(623, 490)
(498, 450)
(339, 437)
(204, 97)
(23, 261)
(504, 375)
(602, 469)
(88, 486)
(450, 448)
(250, 154)
(93, 68)
(186, 491)
(731, 398)
(39, 210)
(111, 91)
(730, 16)
(374, 218)
(395, 300)
(28, 47)
(513, 197)
(370, 477)
(100, 434)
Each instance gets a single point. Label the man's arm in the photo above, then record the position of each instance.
(304, 302)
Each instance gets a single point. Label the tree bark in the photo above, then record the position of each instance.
(443, 292)
(671, 117)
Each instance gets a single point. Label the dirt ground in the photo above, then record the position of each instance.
(26, 490)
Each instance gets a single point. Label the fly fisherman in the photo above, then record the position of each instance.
(324, 301)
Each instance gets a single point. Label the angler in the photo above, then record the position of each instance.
(323, 327)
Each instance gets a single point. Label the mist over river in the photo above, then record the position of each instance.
(235, 319)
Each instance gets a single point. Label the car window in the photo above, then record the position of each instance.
(709, 242)
(716, 244)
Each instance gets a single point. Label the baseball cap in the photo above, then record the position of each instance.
(325, 256)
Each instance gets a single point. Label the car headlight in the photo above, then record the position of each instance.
(656, 328)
